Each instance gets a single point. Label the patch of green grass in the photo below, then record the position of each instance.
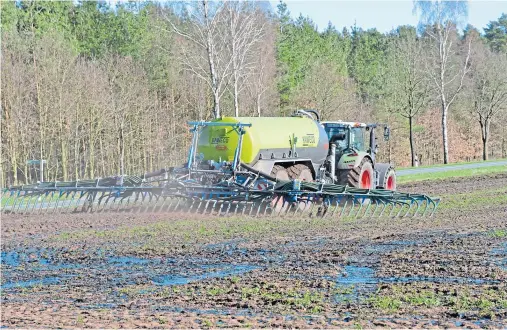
(386, 303)
(215, 291)
(451, 164)
(451, 174)
(470, 200)
(498, 233)
(487, 303)
(207, 323)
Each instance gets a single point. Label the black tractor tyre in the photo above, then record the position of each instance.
(387, 176)
(300, 172)
(280, 173)
(357, 176)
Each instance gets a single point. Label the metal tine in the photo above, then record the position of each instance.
(141, 202)
(435, 205)
(57, 201)
(358, 212)
(401, 209)
(102, 202)
(347, 198)
(236, 209)
(372, 201)
(171, 202)
(152, 202)
(411, 206)
(26, 205)
(34, 204)
(206, 206)
(65, 207)
(164, 199)
(426, 203)
(189, 210)
(221, 207)
(384, 208)
(22, 202)
(109, 202)
(353, 206)
(228, 207)
(201, 200)
(394, 204)
(15, 200)
(130, 206)
(325, 207)
(8, 199)
(337, 201)
(147, 205)
(158, 198)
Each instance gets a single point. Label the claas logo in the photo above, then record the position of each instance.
(220, 140)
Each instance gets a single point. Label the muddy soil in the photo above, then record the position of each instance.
(158, 270)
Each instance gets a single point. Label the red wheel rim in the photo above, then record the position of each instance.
(390, 183)
(366, 180)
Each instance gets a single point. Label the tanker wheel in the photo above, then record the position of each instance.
(280, 173)
(360, 176)
(300, 172)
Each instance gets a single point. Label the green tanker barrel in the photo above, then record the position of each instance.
(268, 137)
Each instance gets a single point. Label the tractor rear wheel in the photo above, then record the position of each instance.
(360, 176)
(300, 172)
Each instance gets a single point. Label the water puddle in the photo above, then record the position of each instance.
(31, 283)
(223, 271)
(358, 280)
(31, 267)
(499, 256)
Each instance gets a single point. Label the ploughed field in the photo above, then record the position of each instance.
(159, 270)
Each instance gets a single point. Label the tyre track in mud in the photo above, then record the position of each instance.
(161, 271)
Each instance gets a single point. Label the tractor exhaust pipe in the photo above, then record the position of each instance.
(333, 161)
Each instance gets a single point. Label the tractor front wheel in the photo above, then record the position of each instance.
(360, 176)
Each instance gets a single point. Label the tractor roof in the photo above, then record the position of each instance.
(345, 123)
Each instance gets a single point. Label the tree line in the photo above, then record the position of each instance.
(99, 90)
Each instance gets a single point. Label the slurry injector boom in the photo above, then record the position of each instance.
(255, 166)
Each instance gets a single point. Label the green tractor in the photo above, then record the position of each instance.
(352, 153)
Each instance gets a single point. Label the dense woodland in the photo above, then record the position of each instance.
(98, 90)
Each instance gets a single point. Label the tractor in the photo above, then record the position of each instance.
(354, 157)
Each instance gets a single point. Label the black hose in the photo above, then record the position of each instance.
(253, 170)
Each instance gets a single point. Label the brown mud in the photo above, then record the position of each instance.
(159, 270)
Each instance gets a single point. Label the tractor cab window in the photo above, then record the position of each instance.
(357, 139)
(340, 136)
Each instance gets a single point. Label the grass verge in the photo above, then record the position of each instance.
(452, 174)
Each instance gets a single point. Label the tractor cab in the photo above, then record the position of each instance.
(347, 135)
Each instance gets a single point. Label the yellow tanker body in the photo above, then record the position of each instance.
(267, 138)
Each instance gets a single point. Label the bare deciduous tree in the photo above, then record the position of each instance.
(444, 67)
(204, 30)
(488, 90)
(245, 30)
(407, 86)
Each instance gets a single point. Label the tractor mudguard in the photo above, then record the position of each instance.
(351, 159)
